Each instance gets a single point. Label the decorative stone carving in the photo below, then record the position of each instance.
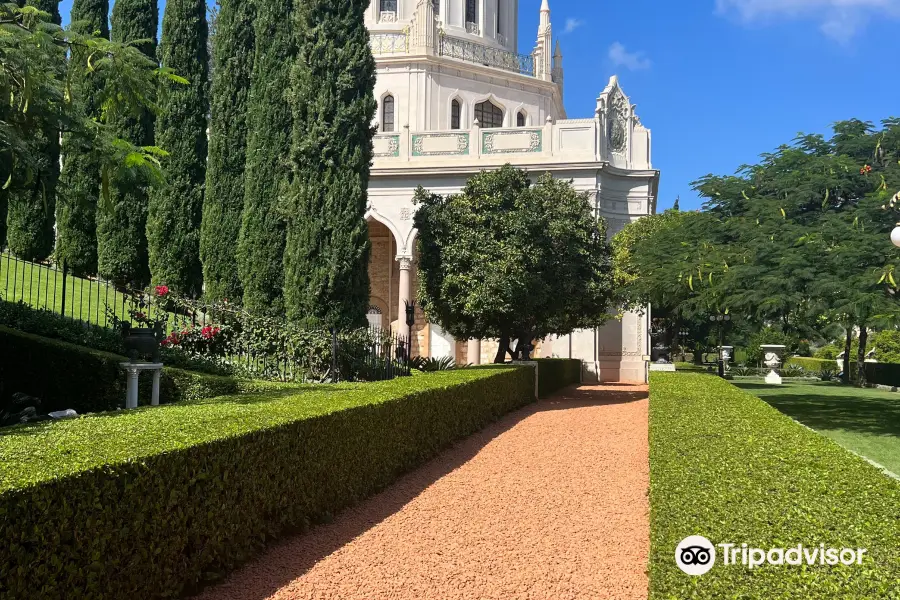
(440, 144)
(616, 123)
(508, 142)
(405, 262)
(386, 146)
(387, 17)
(405, 214)
(772, 358)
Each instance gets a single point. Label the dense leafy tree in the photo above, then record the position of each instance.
(79, 189)
(799, 241)
(176, 208)
(34, 91)
(262, 234)
(509, 260)
(327, 253)
(32, 195)
(223, 203)
(122, 227)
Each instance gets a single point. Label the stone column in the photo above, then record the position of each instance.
(404, 297)
(131, 396)
(154, 397)
(474, 352)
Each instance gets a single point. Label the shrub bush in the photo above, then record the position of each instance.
(726, 465)
(883, 374)
(555, 374)
(811, 364)
(150, 502)
(65, 376)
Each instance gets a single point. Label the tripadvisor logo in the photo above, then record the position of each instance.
(696, 555)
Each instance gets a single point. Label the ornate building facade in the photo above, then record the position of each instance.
(455, 98)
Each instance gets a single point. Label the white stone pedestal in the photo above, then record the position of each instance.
(772, 358)
(133, 371)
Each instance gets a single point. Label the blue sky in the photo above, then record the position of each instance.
(721, 81)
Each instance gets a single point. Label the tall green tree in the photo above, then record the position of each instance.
(176, 208)
(31, 202)
(79, 189)
(122, 226)
(327, 254)
(505, 259)
(223, 203)
(269, 129)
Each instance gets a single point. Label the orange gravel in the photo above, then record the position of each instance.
(548, 503)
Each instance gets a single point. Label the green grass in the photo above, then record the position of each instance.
(34, 453)
(866, 421)
(41, 286)
(727, 466)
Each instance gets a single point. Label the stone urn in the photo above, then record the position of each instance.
(727, 352)
(141, 343)
(772, 359)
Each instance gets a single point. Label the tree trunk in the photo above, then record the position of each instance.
(698, 353)
(861, 357)
(502, 349)
(847, 344)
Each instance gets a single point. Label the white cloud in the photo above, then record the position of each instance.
(634, 61)
(838, 19)
(572, 25)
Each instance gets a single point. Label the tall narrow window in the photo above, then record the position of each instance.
(437, 7)
(472, 11)
(455, 114)
(388, 6)
(520, 119)
(499, 19)
(387, 114)
(489, 115)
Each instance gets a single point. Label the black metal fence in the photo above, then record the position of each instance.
(280, 352)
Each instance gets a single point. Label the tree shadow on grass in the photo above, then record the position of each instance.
(838, 409)
(292, 557)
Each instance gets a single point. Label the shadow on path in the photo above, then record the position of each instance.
(287, 560)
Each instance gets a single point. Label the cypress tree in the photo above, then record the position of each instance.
(176, 207)
(261, 246)
(121, 230)
(327, 254)
(31, 202)
(223, 204)
(79, 189)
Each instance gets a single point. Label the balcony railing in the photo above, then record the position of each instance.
(389, 43)
(471, 52)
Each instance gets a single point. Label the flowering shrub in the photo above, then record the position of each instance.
(162, 291)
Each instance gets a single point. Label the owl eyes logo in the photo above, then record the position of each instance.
(695, 555)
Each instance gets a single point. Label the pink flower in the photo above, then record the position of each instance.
(162, 290)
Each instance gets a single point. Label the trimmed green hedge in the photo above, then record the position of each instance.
(555, 374)
(149, 503)
(883, 374)
(65, 376)
(726, 465)
(813, 365)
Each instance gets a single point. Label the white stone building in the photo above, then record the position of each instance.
(455, 97)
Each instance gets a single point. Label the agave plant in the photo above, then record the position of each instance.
(827, 374)
(430, 365)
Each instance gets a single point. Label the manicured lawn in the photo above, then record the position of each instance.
(42, 287)
(727, 466)
(866, 421)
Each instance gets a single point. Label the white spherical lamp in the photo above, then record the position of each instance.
(895, 236)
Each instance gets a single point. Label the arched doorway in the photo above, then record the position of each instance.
(375, 317)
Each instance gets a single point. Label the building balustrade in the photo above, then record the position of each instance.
(472, 52)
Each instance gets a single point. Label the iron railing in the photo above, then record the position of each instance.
(471, 52)
(94, 303)
(389, 43)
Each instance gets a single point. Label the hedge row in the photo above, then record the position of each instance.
(726, 465)
(65, 376)
(555, 374)
(883, 374)
(813, 365)
(150, 503)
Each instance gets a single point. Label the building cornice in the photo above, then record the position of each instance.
(408, 169)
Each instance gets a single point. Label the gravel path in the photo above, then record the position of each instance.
(549, 503)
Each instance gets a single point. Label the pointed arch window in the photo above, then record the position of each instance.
(489, 115)
(455, 115)
(521, 119)
(387, 114)
(375, 317)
